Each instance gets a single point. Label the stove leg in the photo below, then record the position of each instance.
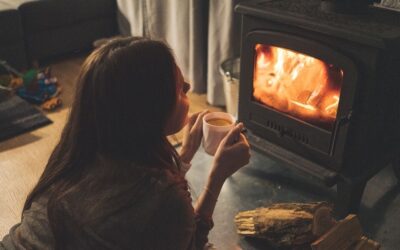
(349, 196)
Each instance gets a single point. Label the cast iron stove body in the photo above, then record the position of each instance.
(320, 90)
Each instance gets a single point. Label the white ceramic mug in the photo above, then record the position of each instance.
(215, 126)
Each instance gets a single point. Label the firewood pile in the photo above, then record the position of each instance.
(303, 226)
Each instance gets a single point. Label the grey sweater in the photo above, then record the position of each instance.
(161, 217)
(33, 232)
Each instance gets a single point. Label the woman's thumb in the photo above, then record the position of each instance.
(234, 134)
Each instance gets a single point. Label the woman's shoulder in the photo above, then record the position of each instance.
(159, 188)
(167, 185)
(123, 170)
(140, 209)
(142, 189)
(162, 178)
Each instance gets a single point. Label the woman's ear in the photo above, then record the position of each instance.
(186, 87)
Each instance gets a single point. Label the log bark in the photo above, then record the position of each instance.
(286, 224)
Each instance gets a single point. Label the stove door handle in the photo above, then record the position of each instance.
(342, 121)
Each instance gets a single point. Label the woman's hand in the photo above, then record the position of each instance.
(232, 154)
(192, 135)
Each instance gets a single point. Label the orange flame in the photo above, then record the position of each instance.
(297, 84)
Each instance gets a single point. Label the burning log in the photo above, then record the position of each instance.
(297, 84)
(286, 224)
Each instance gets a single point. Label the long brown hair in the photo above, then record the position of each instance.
(125, 92)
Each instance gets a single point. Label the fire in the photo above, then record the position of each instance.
(297, 84)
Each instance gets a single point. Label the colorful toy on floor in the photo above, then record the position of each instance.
(38, 86)
(35, 86)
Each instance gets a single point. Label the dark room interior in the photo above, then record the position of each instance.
(312, 87)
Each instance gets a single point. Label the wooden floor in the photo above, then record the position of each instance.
(23, 158)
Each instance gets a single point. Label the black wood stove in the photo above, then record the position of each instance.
(320, 88)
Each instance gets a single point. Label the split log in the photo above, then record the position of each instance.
(345, 234)
(286, 224)
(366, 244)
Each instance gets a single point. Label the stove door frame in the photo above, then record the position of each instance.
(309, 141)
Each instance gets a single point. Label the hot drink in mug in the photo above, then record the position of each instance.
(215, 126)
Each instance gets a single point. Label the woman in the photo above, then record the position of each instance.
(114, 181)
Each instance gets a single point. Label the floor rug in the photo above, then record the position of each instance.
(18, 116)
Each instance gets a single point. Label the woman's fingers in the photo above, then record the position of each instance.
(243, 139)
(197, 118)
(242, 145)
(193, 133)
(193, 118)
(198, 123)
(232, 154)
(233, 135)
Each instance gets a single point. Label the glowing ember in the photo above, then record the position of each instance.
(297, 84)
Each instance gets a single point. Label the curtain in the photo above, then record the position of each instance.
(223, 43)
(202, 34)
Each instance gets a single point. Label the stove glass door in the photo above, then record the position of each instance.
(297, 84)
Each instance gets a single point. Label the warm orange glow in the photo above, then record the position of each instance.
(297, 84)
